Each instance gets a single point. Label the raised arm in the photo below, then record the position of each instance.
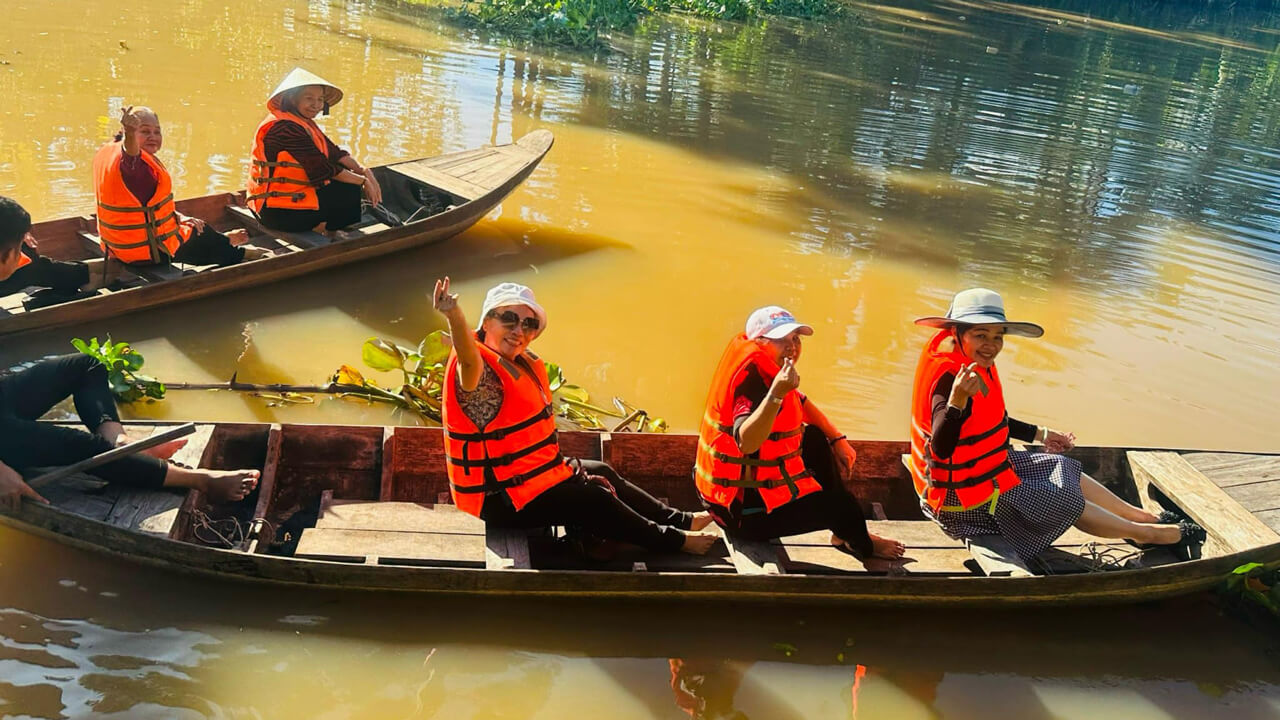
(129, 122)
(470, 365)
(756, 428)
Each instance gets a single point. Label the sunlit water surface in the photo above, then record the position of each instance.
(1114, 176)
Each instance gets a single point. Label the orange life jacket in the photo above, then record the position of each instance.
(519, 445)
(282, 183)
(978, 469)
(23, 259)
(721, 470)
(129, 231)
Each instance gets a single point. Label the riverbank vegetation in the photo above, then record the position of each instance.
(585, 24)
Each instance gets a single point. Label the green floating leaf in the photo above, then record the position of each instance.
(1247, 568)
(555, 376)
(434, 348)
(381, 355)
(574, 393)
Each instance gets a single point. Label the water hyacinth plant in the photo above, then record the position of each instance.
(421, 382)
(123, 364)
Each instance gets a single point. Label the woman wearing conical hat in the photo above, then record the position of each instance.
(299, 179)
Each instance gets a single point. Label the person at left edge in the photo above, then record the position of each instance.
(35, 270)
(137, 220)
(30, 393)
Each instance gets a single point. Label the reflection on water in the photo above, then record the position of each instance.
(1112, 169)
(148, 644)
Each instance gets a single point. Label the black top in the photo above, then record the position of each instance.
(947, 420)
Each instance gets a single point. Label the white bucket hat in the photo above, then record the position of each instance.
(980, 306)
(509, 293)
(774, 322)
(301, 78)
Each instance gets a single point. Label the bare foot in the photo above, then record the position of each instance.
(886, 548)
(238, 237)
(698, 543)
(700, 520)
(229, 485)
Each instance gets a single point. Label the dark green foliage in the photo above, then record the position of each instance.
(122, 364)
(582, 23)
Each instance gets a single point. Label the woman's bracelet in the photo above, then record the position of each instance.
(837, 439)
(1042, 434)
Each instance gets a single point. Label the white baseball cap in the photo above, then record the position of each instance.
(509, 293)
(774, 323)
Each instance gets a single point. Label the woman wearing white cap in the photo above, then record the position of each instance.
(300, 180)
(770, 464)
(502, 454)
(968, 478)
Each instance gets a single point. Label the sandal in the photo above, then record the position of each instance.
(1192, 534)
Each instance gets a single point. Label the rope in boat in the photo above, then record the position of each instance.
(227, 532)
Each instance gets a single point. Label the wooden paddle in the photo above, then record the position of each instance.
(113, 454)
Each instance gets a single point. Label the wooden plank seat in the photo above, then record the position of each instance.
(158, 272)
(1230, 526)
(303, 240)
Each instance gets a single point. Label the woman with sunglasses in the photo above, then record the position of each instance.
(502, 454)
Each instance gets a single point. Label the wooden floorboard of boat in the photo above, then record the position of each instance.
(442, 180)
(398, 516)
(391, 547)
(454, 159)
(1231, 527)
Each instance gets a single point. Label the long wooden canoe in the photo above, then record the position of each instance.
(435, 198)
(367, 508)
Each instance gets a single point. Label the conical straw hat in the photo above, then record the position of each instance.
(301, 78)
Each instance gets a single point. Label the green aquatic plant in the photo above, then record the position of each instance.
(1257, 584)
(421, 376)
(123, 364)
(584, 24)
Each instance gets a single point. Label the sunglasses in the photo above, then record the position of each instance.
(510, 318)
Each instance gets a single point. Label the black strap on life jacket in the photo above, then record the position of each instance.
(491, 486)
(500, 460)
(500, 433)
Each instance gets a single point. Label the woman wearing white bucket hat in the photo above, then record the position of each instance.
(299, 179)
(501, 451)
(968, 478)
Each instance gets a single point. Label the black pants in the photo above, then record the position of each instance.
(834, 508)
(339, 208)
(633, 515)
(209, 247)
(63, 277)
(30, 393)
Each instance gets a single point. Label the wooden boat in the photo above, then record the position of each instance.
(437, 198)
(367, 508)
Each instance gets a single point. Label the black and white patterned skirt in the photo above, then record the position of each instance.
(1033, 514)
